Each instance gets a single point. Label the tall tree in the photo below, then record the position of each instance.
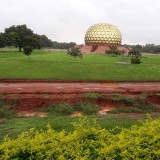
(2, 40)
(20, 36)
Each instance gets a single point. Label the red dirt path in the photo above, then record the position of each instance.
(68, 88)
(32, 95)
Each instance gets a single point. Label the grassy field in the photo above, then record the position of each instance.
(59, 66)
(12, 127)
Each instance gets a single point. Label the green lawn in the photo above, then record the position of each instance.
(59, 66)
(12, 127)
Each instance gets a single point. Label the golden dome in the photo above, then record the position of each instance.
(103, 34)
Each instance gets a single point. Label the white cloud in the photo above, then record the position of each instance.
(68, 20)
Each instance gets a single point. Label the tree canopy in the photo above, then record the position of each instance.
(45, 42)
(21, 36)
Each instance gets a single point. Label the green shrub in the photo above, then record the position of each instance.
(136, 60)
(93, 95)
(122, 109)
(2, 101)
(60, 109)
(144, 105)
(134, 53)
(27, 50)
(138, 104)
(14, 101)
(87, 108)
(114, 52)
(143, 96)
(87, 142)
(6, 111)
(75, 52)
(126, 100)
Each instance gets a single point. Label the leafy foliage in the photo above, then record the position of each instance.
(135, 56)
(63, 108)
(147, 48)
(6, 111)
(27, 50)
(63, 45)
(134, 53)
(45, 42)
(87, 141)
(93, 95)
(87, 108)
(114, 52)
(122, 109)
(74, 52)
(2, 40)
(125, 99)
(60, 109)
(136, 60)
(138, 104)
(21, 36)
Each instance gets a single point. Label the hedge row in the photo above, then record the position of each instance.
(87, 141)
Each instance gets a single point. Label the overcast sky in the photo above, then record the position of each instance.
(68, 20)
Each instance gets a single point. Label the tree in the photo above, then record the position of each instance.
(136, 60)
(135, 56)
(138, 47)
(134, 53)
(74, 52)
(114, 52)
(45, 42)
(109, 52)
(157, 49)
(33, 41)
(2, 40)
(27, 50)
(148, 48)
(20, 36)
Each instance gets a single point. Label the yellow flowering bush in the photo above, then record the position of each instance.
(87, 141)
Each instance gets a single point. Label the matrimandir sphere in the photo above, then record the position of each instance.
(103, 34)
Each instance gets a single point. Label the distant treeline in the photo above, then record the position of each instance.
(148, 48)
(63, 45)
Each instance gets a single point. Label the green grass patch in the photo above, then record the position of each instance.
(6, 111)
(122, 109)
(144, 106)
(64, 109)
(94, 95)
(87, 108)
(13, 127)
(143, 95)
(58, 65)
(136, 104)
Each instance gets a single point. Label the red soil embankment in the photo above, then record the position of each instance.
(31, 95)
